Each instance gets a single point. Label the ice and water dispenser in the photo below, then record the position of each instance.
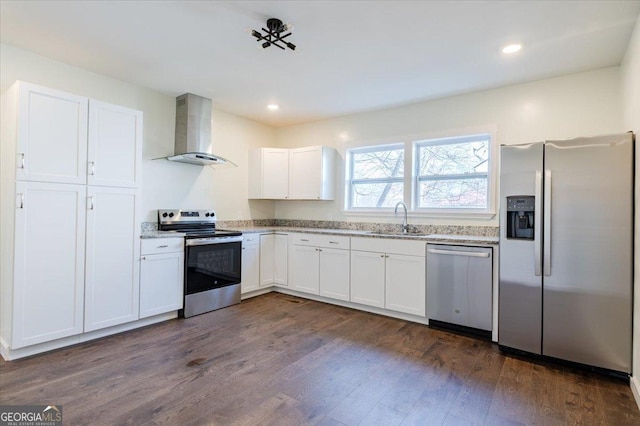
(520, 217)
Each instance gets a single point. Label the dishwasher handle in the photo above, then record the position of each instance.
(458, 253)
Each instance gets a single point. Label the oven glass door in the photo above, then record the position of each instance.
(212, 266)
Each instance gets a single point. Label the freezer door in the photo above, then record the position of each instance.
(520, 297)
(588, 248)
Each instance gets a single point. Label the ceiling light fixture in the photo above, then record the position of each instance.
(512, 48)
(274, 34)
(273, 107)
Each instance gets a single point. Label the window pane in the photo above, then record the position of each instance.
(372, 195)
(452, 193)
(378, 164)
(457, 158)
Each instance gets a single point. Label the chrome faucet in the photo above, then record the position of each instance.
(405, 226)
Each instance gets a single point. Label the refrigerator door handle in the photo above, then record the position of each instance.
(547, 223)
(537, 238)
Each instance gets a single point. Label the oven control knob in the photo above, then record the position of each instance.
(212, 214)
(170, 214)
(207, 215)
(164, 214)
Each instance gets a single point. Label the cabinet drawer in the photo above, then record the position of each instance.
(161, 245)
(333, 241)
(389, 246)
(304, 239)
(250, 239)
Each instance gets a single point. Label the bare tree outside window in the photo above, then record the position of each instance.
(453, 173)
(377, 177)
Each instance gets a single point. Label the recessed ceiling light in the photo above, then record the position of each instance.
(273, 107)
(512, 48)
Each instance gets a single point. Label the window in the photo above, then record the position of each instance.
(452, 173)
(375, 177)
(444, 176)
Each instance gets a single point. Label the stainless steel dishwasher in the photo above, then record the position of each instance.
(459, 287)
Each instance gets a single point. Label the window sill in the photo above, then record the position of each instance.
(422, 214)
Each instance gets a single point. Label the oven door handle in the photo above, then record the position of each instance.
(210, 241)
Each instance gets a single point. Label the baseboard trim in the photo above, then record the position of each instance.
(635, 389)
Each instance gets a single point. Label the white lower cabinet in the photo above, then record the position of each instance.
(250, 263)
(389, 274)
(161, 276)
(273, 259)
(112, 283)
(320, 265)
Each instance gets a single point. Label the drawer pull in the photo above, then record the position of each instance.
(334, 242)
(304, 239)
(163, 246)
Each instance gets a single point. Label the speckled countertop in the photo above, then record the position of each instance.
(161, 234)
(429, 238)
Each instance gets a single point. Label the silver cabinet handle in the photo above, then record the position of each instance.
(163, 246)
(90, 203)
(21, 160)
(382, 255)
(21, 205)
(333, 242)
(458, 253)
(304, 239)
(537, 224)
(92, 167)
(546, 257)
(143, 258)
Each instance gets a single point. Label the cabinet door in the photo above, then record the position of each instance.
(250, 263)
(161, 283)
(112, 281)
(306, 269)
(305, 173)
(48, 263)
(280, 259)
(406, 284)
(367, 278)
(275, 173)
(334, 273)
(52, 136)
(267, 245)
(115, 145)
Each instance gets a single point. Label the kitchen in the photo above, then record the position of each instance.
(593, 102)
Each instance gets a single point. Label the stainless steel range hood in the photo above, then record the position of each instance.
(193, 132)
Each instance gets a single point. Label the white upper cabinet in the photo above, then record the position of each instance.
(312, 173)
(112, 285)
(115, 144)
(51, 134)
(63, 138)
(269, 173)
(292, 174)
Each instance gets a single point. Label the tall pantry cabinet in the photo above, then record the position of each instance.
(70, 218)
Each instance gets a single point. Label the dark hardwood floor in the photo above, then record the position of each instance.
(281, 360)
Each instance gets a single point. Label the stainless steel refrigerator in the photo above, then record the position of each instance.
(566, 249)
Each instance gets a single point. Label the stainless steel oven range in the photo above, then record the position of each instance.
(212, 262)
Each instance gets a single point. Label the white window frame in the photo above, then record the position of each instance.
(348, 207)
(409, 143)
(489, 210)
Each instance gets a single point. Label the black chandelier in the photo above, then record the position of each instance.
(274, 34)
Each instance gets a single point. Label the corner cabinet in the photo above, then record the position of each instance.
(70, 222)
(292, 174)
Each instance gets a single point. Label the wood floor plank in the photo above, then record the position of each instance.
(281, 360)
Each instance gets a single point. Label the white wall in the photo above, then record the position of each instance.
(582, 104)
(165, 184)
(631, 86)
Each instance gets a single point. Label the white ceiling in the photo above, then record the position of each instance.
(353, 55)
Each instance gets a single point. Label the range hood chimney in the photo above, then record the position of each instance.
(193, 132)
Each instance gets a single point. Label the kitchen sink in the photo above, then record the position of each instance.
(398, 234)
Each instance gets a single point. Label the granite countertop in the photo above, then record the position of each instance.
(429, 238)
(162, 234)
